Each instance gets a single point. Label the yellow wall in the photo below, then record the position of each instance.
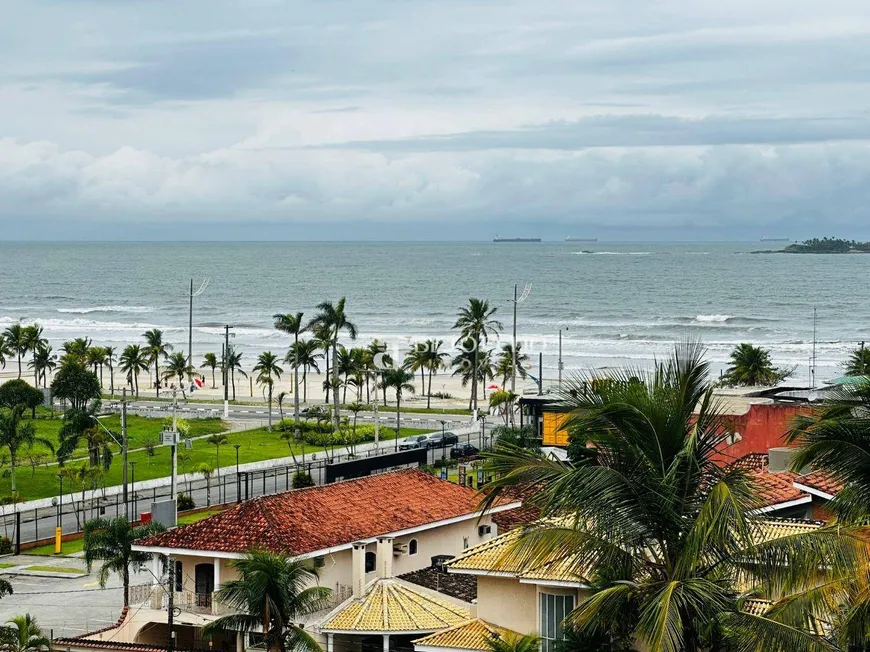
(503, 601)
(553, 433)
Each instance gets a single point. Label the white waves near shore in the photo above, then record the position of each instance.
(123, 309)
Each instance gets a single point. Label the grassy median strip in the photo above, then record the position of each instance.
(67, 548)
(55, 569)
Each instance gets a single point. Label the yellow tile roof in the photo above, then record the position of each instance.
(494, 555)
(391, 606)
(470, 635)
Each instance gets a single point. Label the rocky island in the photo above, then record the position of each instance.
(823, 246)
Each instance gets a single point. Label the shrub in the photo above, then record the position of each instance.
(301, 479)
(18, 392)
(185, 502)
(150, 444)
(525, 437)
(5, 545)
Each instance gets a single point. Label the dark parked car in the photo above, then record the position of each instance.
(414, 441)
(463, 450)
(439, 440)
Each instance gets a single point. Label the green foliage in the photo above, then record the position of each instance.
(110, 541)
(272, 592)
(858, 363)
(751, 366)
(827, 246)
(75, 383)
(5, 545)
(301, 479)
(524, 437)
(668, 539)
(185, 503)
(23, 634)
(514, 643)
(18, 392)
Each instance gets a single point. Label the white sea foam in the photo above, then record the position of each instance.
(125, 309)
(708, 319)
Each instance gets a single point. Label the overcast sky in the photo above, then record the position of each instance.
(662, 119)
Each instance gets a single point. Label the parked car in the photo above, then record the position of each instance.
(414, 441)
(439, 440)
(463, 450)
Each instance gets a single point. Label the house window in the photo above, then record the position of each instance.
(464, 543)
(554, 608)
(412, 547)
(371, 562)
(179, 577)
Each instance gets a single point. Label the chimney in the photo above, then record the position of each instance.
(779, 459)
(358, 570)
(385, 557)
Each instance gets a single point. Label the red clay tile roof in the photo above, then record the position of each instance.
(750, 462)
(306, 520)
(775, 488)
(821, 482)
(512, 518)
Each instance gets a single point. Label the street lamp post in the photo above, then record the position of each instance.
(561, 364)
(238, 478)
(58, 530)
(133, 487)
(443, 439)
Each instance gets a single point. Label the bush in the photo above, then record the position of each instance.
(18, 392)
(5, 546)
(77, 384)
(525, 437)
(301, 479)
(185, 502)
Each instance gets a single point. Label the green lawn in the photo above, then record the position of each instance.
(187, 519)
(55, 569)
(66, 548)
(139, 430)
(255, 445)
(7, 565)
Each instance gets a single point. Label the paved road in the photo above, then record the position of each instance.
(40, 524)
(68, 606)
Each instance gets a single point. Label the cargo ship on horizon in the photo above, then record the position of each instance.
(568, 238)
(498, 238)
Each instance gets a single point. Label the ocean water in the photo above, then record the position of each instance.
(623, 304)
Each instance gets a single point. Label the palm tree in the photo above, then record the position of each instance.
(5, 588)
(292, 325)
(334, 319)
(111, 358)
(504, 399)
(304, 353)
(210, 361)
(76, 349)
(464, 366)
(349, 363)
(4, 350)
(268, 372)
(110, 541)
(97, 358)
(156, 349)
(82, 423)
(134, 360)
(206, 470)
(751, 366)
(234, 364)
(323, 336)
(43, 362)
(858, 363)
(16, 341)
(663, 532)
(15, 432)
(504, 363)
(23, 634)
(434, 360)
(272, 593)
(416, 360)
(476, 323)
(375, 359)
(513, 642)
(177, 367)
(400, 381)
(33, 340)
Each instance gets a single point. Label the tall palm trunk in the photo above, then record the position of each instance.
(429, 393)
(326, 395)
(336, 419)
(19, 363)
(295, 385)
(156, 377)
(13, 458)
(270, 405)
(474, 377)
(111, 380)
(212, 378)
(398, 415)
(125, 577)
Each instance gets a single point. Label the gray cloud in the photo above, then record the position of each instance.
(617, 115)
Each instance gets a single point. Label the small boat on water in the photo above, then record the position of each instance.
(568, 238)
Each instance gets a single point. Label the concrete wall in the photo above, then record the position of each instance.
(505, 602)
(763, 427)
